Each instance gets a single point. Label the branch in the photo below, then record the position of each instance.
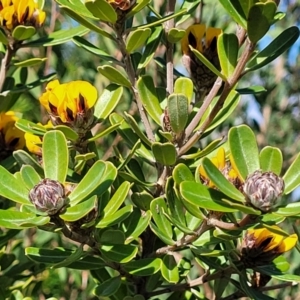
(10, 51)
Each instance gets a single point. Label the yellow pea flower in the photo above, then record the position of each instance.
(261, 246)
(205, 41)
(20, 12)
(70, 103)
(11, 138)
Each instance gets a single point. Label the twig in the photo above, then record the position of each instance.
(10, 51)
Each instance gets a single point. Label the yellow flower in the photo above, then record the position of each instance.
(20, 12)
(71, 103)
(34, 142)
(261, 246)
(225, 168)
(11, 138)
(205, 41)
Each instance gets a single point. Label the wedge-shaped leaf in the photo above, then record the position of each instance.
(75, 256)
(117, 199)
(182, 173)
(30, 176)
(68, 132)
(243, 149)
(198, 194)
(80, 210)
(108, 287)
(143, 267)
(22, 33)
(102, 10)
(280, 44)
(169, 269)
(55, 256)
(58, 37)
(116, 218)
(190, 6)
(136, 128)
(292, 176)
(165, 153)
(252, 90)
(260, 18)
(83, 43)
(114, 75)
(184, 86)
(137, 39)
(23, 158)
(158, 207)
(207, 63)
(112, 237)
(55, 155)
(30, 62)
(151, 45)
(175, 35)
(105, 132)
(147, 92)
(11, 188)
(119, 253)
(85, 22)
(192, 209)
(140, 4)
(236, 11)
(3, 38)
(142, 200)
(108, 100)
(30, 127)
(177, 107)
(242, 207)
(228, 47)
(100, 176)
(76, 5)
(292, 209)
(270, 159)
(18, 220)
(161, 234)
(136, 224)
(215, 175)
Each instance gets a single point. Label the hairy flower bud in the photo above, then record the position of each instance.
(48, 196)
(263, 189)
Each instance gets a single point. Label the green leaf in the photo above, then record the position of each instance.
(178, 112)
(22, 33)
(228, 47)
(147, 92)
(175, 35)
(235, 10)
(76, 212)
(143, 267)
(165, 154)
(243, 149)
(76, 5)
(55, 256)
(140, 4)
(30, 127)
(252, 90)
(280, 44)
(100, 176)
(112, 237)
(137, 224)
(292, 176)
(75, 256)
(105, 132)
(3, 38)
(30, 62)
(207, 63)
(114, 75)
(260, 18)
(169, 269)
(108, 287)
(270, 159)
(102, 10)
(68, 132)
(137, 39)
(292, 209)
(117, 200)
(184, 86)
(218, 179)
(142, 200)
(158, 207)
(18, 220)
(108, 100)
(119, 253)
(151, 45)
(30, 176)
(198, 194)
(116, 218)
(182, 173)
(8, 184)
(55, 156)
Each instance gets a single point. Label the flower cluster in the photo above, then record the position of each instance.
(11, 138)
(121, 4)
(205, 41)
(261, 246)
(20, 12)
(70, 104)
